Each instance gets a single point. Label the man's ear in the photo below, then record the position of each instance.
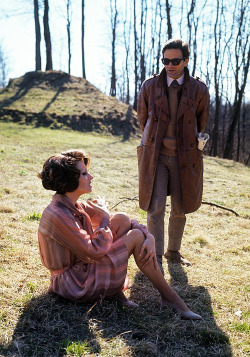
(186, 62)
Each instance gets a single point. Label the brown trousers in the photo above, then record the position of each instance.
(167, 173)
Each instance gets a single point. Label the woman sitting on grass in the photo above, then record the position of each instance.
(85, 247)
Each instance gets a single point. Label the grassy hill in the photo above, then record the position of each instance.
(216, 241)
(58, 100)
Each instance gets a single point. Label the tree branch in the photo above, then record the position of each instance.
(219, 206)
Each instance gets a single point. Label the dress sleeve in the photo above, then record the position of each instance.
(66, 231)
(136, 225)
(94, 216)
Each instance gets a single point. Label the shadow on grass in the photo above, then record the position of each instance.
(168, 334)
(59, 90)
(129, 125)
(21, 92)
(52, 326)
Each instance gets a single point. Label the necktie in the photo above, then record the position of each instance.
(175, 84)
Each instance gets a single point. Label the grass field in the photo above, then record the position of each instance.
(36, 323)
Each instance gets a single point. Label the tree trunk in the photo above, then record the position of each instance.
(214, 146)
(83, 33)
(68, 34)
(47, 36)
(159, 46)
(2, 68)
(127, 37)
(38, 36)
(114, 15)
(142, 43)
(168, 8)
(135, 57)
(241, 63)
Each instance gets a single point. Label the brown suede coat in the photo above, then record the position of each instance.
(154, 116)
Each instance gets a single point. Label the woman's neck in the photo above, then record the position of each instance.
(73, 196)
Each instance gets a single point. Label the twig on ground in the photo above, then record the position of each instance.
(124, 199)
(219, 206)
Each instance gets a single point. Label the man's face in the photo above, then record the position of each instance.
(175, 71)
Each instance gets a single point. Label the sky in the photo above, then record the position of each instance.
(17, 38)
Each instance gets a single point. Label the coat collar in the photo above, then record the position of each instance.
(77, 209)
(187, 98)
(162, 81)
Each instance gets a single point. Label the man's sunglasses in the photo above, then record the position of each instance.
(174, 61)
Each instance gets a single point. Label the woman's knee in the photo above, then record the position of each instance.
(138, 235)
(120, 224)
(134, 239)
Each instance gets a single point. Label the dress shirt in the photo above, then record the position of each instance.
(179, 80)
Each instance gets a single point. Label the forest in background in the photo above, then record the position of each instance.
(218, 34)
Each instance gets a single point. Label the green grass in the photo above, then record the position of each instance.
(37, 323)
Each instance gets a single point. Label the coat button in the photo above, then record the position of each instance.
(194, 165)
(156, 119)
(192, 145)
(190, 121)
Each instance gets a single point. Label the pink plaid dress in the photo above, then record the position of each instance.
(85, 264)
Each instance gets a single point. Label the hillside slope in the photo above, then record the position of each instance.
(58, 100)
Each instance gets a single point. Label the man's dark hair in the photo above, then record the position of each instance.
(177, 44)
(60, 173)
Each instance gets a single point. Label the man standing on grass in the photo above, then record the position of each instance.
(173, 107)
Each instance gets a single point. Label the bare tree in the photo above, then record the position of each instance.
(127, 38)
(159, 45)
(69, 33)
(142, 42)
(38, 35)
(241, 67)
(169, 25)
(47, 36)
(113, 18)
(217, 49)
(83, 33)
(136, 79)
(2, 68)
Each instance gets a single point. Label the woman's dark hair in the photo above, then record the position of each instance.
(176, 44)
(59, 171)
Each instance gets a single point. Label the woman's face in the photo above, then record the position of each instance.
(84, 179)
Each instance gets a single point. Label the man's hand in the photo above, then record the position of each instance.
(147, 252)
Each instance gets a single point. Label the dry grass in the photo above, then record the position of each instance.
(36, 323)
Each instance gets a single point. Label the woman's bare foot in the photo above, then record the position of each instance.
(122, 298)
(189, 315)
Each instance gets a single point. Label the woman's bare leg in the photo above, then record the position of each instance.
(134, 240)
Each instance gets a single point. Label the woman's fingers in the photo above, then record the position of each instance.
(97, 207)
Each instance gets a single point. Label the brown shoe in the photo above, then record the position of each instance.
(175, 257)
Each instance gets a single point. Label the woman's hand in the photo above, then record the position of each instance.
(102, 212)
(147, 252)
